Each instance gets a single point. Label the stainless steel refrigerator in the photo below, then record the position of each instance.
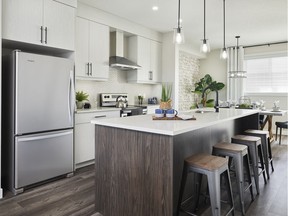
(38, 117)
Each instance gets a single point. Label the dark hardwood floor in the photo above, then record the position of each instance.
(75, 196)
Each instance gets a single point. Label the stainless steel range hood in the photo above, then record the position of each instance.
(117, 59)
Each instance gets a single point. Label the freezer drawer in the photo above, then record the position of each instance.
(42, 156)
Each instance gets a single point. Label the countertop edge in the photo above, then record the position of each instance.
(170, 132)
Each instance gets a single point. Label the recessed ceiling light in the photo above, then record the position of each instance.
(155, 8)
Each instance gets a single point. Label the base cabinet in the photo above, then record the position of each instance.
(85, 136)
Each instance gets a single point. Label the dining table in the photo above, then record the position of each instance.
(268, 116)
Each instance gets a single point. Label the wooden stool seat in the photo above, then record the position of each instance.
(232, 147)
(245, 138)
(239, 154)
(267, 153)
(206, 162)
(255, 152)
(212, 167)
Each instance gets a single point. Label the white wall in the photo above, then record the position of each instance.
(1, 191)
(217, 68)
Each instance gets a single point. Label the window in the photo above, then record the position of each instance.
(266, 74)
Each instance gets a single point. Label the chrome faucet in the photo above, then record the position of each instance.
(216, 106)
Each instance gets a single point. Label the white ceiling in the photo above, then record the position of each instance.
(256, 21)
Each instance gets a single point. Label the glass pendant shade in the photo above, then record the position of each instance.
(205, 46)
(178, 37)
(223, 53)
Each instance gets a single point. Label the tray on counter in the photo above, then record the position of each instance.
(184, 117)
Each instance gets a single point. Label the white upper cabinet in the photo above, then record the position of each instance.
(59, 21)
(41, 22)
(148, 54)
(92, 50)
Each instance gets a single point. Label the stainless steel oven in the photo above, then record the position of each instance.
(110, 100)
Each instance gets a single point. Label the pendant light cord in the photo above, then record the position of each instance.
(224, 23)
(237, 53)
(204, 19)
(178, 14)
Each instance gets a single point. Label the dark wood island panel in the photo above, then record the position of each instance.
(139, 173)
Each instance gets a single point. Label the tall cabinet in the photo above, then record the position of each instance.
(41, 22)
(92, 50)
(148, 54)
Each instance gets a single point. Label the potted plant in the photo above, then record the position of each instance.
(204, 87)
(166, 102)
(80, 98)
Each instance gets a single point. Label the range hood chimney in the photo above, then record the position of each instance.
(117, 59)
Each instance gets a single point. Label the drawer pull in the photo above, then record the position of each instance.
(102, 116)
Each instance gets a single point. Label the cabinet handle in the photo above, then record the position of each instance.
(91, 69)
(101, 116)
(88, 67)
(41, 30)
(150, 75)
(46, 30)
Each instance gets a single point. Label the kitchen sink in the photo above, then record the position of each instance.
(204, 111)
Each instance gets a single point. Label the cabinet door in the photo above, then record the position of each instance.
(143, 59)
(84, 142)
(22, 20)
(59, 22)
(99, 51)
(81, 47)
(156, 60)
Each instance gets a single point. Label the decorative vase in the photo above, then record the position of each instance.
(79, 104)
(166, 105)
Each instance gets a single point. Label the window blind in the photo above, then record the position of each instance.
(267, 74)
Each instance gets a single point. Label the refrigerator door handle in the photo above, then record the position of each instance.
(71, 97)
(48, 136)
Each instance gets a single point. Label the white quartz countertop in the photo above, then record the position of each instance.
(145, 123)
(98, 109)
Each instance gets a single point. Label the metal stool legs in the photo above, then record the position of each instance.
(239, 155)
(213, 167)
(255, 154)
(266, 147)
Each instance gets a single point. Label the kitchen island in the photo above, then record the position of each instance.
(139, 161)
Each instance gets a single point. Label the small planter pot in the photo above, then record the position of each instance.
(79, 104)
(166, 105)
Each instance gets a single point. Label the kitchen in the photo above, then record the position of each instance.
(116, 81)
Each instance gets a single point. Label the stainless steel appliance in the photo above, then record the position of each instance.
(38, 108)
(110, 100)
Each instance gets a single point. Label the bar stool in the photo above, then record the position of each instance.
(239, 155)
(280, 125)
(255, 153)
(266, 146)
(212, 167)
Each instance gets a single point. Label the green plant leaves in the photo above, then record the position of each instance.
(81, 96)
(205, 86)
(166, 92)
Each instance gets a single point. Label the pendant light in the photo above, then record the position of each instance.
(205, 47)
(178, 33)
(223, 53)
(237, 73)
(155, 5)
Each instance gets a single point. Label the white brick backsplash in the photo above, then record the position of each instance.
(189, 73)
